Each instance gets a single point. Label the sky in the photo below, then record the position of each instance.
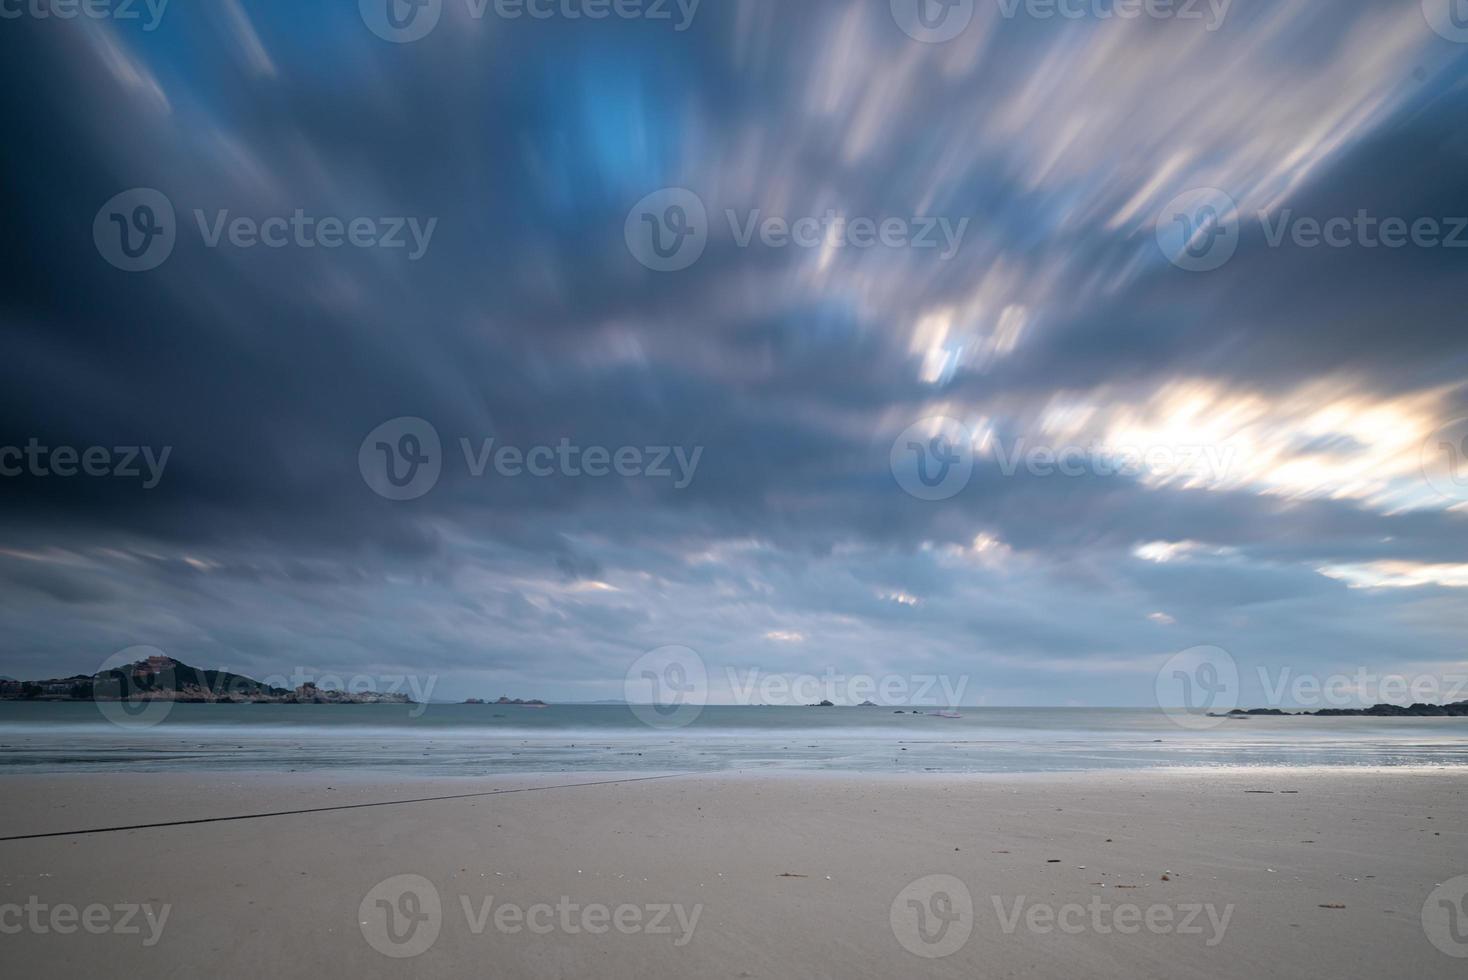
(1086, 235)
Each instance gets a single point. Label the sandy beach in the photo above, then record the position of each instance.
(1277, 873)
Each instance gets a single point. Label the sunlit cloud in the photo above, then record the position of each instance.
(1284, 399)
(1323, 439)
(1162, 552)
(1398, 575)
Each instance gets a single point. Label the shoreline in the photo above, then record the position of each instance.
(388, 776)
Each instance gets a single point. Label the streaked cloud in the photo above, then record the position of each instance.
(1310, 385)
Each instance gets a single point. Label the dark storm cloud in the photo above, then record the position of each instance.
(527, 320)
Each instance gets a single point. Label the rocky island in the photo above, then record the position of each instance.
(166, 679)
(531, 703)
(1458, 709)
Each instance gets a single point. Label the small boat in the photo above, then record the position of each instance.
(948, 714)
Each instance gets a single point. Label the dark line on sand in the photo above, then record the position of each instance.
(344, 806)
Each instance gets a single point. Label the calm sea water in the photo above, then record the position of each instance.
(476, 740)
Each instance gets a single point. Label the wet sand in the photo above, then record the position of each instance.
(1277, 873)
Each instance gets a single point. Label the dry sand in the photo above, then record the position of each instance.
(288, 896)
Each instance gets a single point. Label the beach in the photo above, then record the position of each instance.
(1173, 873)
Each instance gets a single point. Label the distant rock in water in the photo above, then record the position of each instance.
(867, 704)
(532, 703)
(1240, 712)
(1458, 709)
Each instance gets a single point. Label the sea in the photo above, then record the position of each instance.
(474, 740)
